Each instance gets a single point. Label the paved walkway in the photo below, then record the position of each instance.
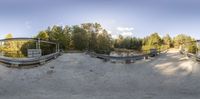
(78, 76)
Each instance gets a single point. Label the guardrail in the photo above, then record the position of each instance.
(198, 59)
(190, 55)
(127, 59)
(14, 62)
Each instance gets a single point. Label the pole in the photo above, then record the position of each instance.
(58, 47)
(38, 43)
(198, 46)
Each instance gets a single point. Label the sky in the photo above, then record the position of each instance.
(139, 18)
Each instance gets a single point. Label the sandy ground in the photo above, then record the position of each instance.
(78, 76)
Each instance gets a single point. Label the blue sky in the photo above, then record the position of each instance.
(25, 18)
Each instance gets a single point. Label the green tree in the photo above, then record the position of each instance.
(12, 48)
(9, 36)
(8, 45)
(43, 35)
(167, 41)
(186, 41)
(92, 29)
(92, 35)
(66, 37)
(104, 42)
(45, 47)
(128, 43)
(79, 38)
(118, 42)
(60, 35)
(155, 40)
(152, 41)
(136, 43)
(181, 39)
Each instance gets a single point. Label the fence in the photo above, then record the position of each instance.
(18, 57)
(16, 62)
(184, 50)
(127, 59)
(190, 55)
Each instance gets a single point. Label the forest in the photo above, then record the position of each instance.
(93, 37)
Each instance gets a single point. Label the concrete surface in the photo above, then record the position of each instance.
(78, 76)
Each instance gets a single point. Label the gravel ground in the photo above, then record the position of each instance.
(78, 76)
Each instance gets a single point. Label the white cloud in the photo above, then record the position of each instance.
(125, 28)
(109, 32)
(114, 36)
(127, 33)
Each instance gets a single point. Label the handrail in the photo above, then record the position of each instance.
(190, 55)
(28, 61)
(107, 57)
(33, 39)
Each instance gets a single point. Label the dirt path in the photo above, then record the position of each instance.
(78, 76)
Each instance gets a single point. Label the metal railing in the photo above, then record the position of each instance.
(184, 50)
(191, 55)
(123, 58)
(16, 62)
(17, 58)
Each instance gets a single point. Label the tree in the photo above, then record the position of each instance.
(186, 41)
(192, 48)
(136, 43)
(181, 39)
(66, 37)
(155, 40)
(45, 47)
(92, 35)
(167, 41)
(104, 42)
(92, 41)
(9, 45)
(119, 41)
(79, 38)
(152, 41)
(12, 48)
(92, 29)
(128, 43)
(97, 27)
(43, 35)
(57, 34)
(9, 36)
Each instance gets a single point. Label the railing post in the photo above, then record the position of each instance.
(1, 45)
(36, 44)
(58, 47)
(39, 43)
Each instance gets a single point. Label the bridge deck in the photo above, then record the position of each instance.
(79, 76)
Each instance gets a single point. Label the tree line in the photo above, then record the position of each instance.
(93, 37)
(88, 36)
